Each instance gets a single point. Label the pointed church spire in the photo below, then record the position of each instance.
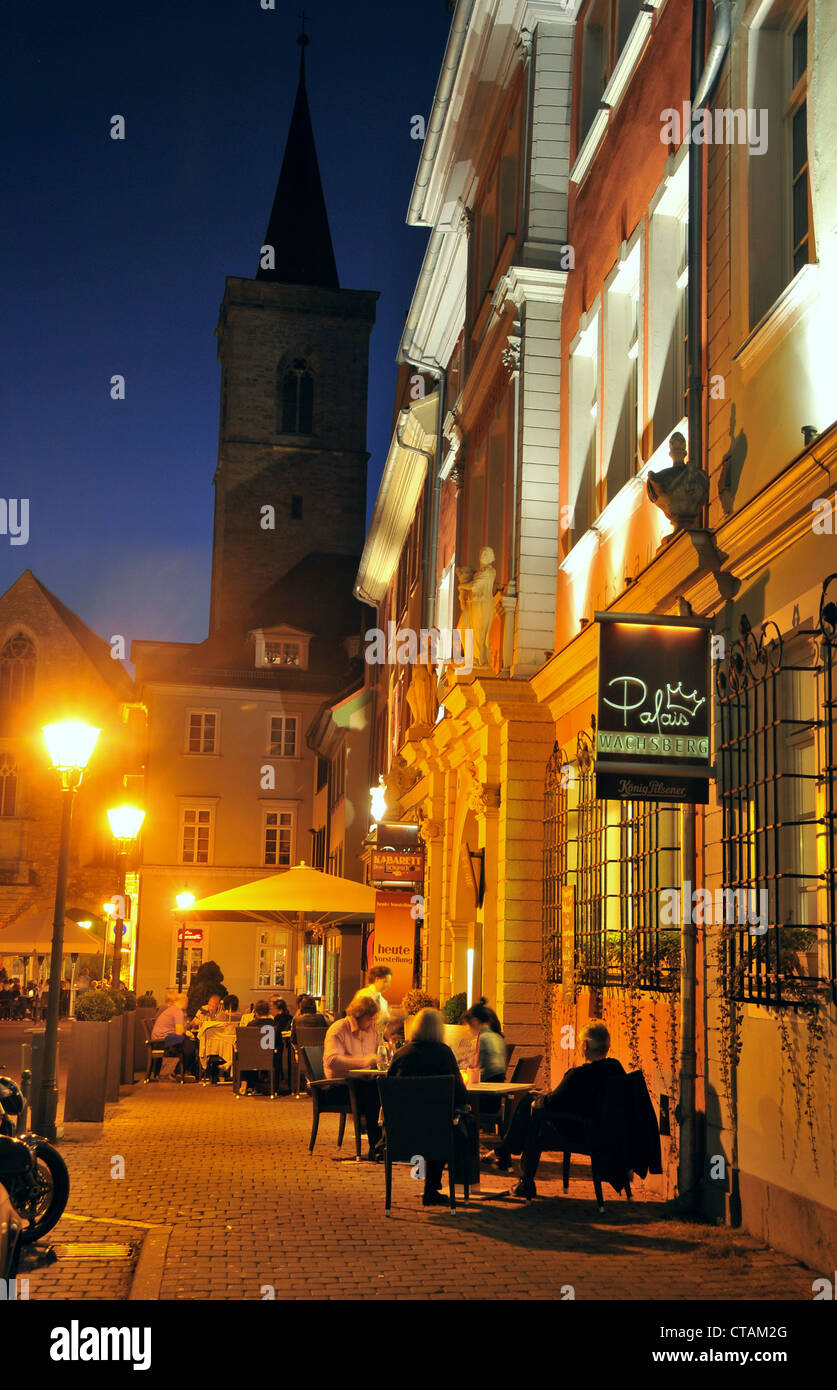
(298, 229)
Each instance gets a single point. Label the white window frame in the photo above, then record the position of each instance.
(270, 929)
(283, 756)
(187, 805)
(278, 809)
(585, 417)
(667, 293)
(622, 337)
(214, 752)
(287, 648)
(283, 636)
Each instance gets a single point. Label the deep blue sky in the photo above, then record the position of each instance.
(114, 255)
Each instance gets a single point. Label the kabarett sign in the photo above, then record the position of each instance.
(653, 733)
(396, 866)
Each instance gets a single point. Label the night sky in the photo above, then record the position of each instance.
(115, 254)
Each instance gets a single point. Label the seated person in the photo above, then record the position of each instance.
(427, 1054)
(490, 1049)
(282, 1017)
(308, 1016)
(561, 1118)
(210, 1012)
(231, 1013)
(261, 1019)
(351, 1044)
(169, 1027)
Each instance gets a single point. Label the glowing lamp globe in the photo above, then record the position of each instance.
(378, 797)
(184, 900)
(125, 822)
(70, 744)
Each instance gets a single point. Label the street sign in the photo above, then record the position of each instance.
(396, 867)
(189, 936)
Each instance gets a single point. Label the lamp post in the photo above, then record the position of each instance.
(69, 745)
(184, 901)
(125, 822)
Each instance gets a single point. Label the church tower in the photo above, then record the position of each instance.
(294, 354)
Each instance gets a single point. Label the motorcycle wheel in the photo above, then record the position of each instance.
(53, 1193)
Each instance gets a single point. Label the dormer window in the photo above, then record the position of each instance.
(281, 648)
(282, 653)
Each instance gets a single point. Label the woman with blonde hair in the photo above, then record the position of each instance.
(427, 1054)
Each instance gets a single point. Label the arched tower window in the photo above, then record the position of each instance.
(8, 785)
(17, 670)
(297, 398)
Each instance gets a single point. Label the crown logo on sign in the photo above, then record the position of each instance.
(677, 699)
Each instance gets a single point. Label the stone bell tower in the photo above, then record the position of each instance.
(294, 354)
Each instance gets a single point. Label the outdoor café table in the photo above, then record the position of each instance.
(217, 1040)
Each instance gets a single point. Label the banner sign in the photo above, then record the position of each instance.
(397, 866)
(395, 940)
(653, 731)
(190, 936)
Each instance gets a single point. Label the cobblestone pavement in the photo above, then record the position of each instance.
(248, 1208)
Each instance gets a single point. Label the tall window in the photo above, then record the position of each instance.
(278, 838)
(338, 776)
(621, 373)
(297, 394)
(797, 120)
(203, 729)
(584, 427)
(668, 287)
(606, 26)
(779, 195)
(282, 740)
(17, 670)
(8, 785)
(273, 958)
(195, 835)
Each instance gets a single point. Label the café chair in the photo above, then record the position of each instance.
(329, 1097)
(251, 1056)
(418, 1123)
(306, 1036)
(623, 1139)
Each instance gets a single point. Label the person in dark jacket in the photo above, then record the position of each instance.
(427, 1054)
(562, 1118)
(307, 1016)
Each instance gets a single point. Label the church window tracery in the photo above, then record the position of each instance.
(297, 398)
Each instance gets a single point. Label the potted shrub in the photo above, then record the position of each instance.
(456, 1032)
(88, 1071)
(413, 1002)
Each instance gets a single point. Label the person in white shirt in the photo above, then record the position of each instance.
(380, 979)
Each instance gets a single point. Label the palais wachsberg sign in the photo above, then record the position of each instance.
(653, 734)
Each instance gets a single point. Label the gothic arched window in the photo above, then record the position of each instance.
(297, 399)
(17, 670)
(8, 785)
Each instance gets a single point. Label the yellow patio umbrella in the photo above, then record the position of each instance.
(287, 897)
(31, 934)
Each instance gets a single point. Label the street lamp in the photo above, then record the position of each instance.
(125, 822)
(69, 745)
(378, 800)
(184, 901)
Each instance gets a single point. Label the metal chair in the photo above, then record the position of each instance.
(329, 1097)
(251, 1055)
(418, 1123)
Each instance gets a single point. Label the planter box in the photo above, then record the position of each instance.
(140, 1050)
(128, 1027)
(115, 1029)
(87, 1075)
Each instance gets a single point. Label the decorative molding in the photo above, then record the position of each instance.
(511, 354)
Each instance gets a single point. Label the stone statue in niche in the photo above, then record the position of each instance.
(421, 696)
(476, 596)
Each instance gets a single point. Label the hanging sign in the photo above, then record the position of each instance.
(395, 940)
(653, 733)
(190, 936)
(396, 867)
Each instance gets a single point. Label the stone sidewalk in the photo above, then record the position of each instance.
(229, 1205)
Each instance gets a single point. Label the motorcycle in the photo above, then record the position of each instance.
(33, 1173)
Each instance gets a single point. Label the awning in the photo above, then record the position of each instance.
(286, 897)
(31, 935)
